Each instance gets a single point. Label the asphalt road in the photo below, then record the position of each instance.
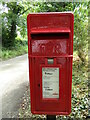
(13, 84)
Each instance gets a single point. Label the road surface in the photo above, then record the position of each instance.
(13, 84)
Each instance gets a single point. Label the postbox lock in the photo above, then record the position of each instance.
(39, 85)
(50, 60)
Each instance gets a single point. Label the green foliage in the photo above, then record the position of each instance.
(81, 31)
(9, 22)
(54, 7)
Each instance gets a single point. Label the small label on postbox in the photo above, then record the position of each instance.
(50, 82)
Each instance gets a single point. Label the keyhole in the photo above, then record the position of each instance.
(38, 85)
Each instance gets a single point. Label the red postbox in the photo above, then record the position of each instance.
(50, 52)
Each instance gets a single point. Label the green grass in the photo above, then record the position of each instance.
(79, 95)
(20, 48)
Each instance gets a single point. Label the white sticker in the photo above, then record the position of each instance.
(50, 82)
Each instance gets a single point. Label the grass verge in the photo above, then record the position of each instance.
(20, 48)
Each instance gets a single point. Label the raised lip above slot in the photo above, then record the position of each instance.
(49, 30)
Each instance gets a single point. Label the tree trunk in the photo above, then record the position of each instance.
(82, 56)
(12, 34)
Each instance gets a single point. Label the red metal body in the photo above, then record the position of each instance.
(50, 36)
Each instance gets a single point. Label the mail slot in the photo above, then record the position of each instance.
(50, 53)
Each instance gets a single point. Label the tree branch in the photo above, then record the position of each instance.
(24, 11)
